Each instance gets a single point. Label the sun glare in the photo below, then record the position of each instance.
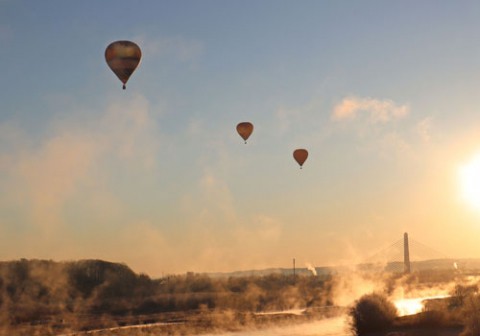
(409, 306)
(416, 305)
(469, 175)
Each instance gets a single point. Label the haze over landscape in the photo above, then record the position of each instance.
(384, 95)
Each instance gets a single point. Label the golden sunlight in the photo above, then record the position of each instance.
(409, 306)
(416, 305)
(469, 175)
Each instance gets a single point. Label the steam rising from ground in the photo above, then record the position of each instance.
(352, 285)
(311, 268)
(94, 294)
(407, 292)
(327, 327)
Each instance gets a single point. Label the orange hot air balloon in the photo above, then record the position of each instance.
(300, 155)
(123, 58)
(245, 129)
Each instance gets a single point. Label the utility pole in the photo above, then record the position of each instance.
(293, 270)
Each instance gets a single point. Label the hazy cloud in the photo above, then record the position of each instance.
(219, 235)
(378, 111)
(424, 128)
(217, 198)
(142, 245)
(50, 174)
(376, 125)
(394, 142)
(287, 116)
(131, 131)
(69, 159)
(265, 229)
(177, 47)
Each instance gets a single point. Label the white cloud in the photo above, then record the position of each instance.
(376, 127)
(378, 111)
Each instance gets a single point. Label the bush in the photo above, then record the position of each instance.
(472, 316)
(372, 312)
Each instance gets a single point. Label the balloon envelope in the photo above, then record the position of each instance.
(300, 155)
(123, 58)
(245, 129)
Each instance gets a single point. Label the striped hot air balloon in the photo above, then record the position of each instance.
(123, 58)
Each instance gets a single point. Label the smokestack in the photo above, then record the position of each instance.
(406, 254)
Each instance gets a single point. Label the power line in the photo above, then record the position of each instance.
(391, 258)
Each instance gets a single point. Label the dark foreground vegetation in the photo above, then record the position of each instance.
(46, 297)
(374, 315)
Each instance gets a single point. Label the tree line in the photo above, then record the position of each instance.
(38, 290)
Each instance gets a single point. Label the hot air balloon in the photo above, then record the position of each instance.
(300, 155)
(245, 129)
(123, 58)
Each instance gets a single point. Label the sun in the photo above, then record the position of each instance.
(469, 175)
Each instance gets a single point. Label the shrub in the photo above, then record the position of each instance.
(372, 312)
(472, 316)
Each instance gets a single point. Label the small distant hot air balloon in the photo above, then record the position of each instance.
(123, 58)
(300, 155)
(245, 129)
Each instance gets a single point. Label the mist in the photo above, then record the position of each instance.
(51, 298)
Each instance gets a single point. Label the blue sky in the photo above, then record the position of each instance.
(383, 95)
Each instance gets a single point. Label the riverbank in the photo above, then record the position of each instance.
(199, 322)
